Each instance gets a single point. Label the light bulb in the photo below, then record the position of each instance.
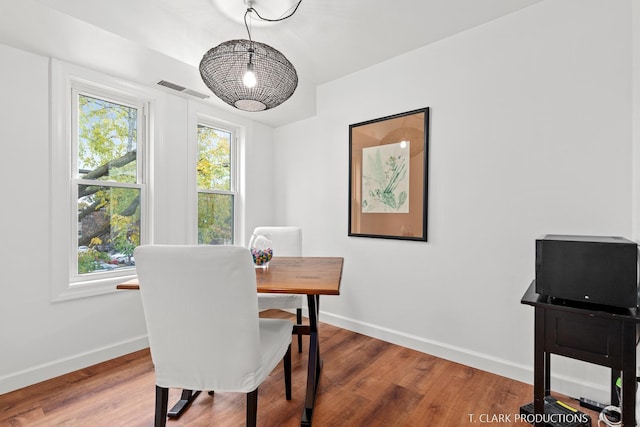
(249, 78)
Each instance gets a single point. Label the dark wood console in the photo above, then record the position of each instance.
(603, 335)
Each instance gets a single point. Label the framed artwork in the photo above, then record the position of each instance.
(388, 169)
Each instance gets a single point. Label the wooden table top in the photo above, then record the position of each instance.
(292, 275)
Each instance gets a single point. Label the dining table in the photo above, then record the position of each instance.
(310, 276)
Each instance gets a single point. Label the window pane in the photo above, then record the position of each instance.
(215, 219)
(108, 227)
(107, 140)
(214, 159)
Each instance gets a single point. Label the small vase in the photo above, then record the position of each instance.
(260, 246)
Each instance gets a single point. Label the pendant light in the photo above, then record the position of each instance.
(249, 75)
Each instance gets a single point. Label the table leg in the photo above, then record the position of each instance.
(541, 376)
(315, 363)
(181, 405)
(628, 374)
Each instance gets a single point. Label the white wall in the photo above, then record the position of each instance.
(531, 133)
(636, 118)
(41, 339)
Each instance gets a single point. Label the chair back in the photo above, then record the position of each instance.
(201, 310)
(287, 241)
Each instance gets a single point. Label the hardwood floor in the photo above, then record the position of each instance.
(364, 382)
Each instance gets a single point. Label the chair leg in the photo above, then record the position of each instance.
(287, 373)
(162, 399)
(252, 408)
(299, 322)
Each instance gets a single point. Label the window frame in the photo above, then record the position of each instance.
(141, 142)
(67, 81)
(209, 122)
(199, 112)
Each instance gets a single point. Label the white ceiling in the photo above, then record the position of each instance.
(325, 39)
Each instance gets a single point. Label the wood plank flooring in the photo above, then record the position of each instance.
(364, 382)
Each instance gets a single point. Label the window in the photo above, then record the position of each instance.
(107, 184)
(101, 128)
(216, 185)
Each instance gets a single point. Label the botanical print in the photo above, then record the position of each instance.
(385, 178)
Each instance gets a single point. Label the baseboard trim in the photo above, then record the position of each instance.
(45, 371)
(563, 384)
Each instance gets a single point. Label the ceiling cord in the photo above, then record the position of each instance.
(278, 19)
(251, 9)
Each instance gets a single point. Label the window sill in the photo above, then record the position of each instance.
(89, 288)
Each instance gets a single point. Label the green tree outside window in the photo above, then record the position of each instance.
(108, 208)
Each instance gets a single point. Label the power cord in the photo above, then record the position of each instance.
(604, 416)
(604, 420)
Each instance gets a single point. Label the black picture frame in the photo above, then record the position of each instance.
(388, 176)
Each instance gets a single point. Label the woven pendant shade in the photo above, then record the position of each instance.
(223, 67)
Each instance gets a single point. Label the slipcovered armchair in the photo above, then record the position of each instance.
(201, 311)
(286, 241)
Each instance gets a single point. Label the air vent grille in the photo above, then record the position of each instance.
(182, 89)
(171, 85)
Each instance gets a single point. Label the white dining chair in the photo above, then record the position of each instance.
(201, 311)
(286, 241)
